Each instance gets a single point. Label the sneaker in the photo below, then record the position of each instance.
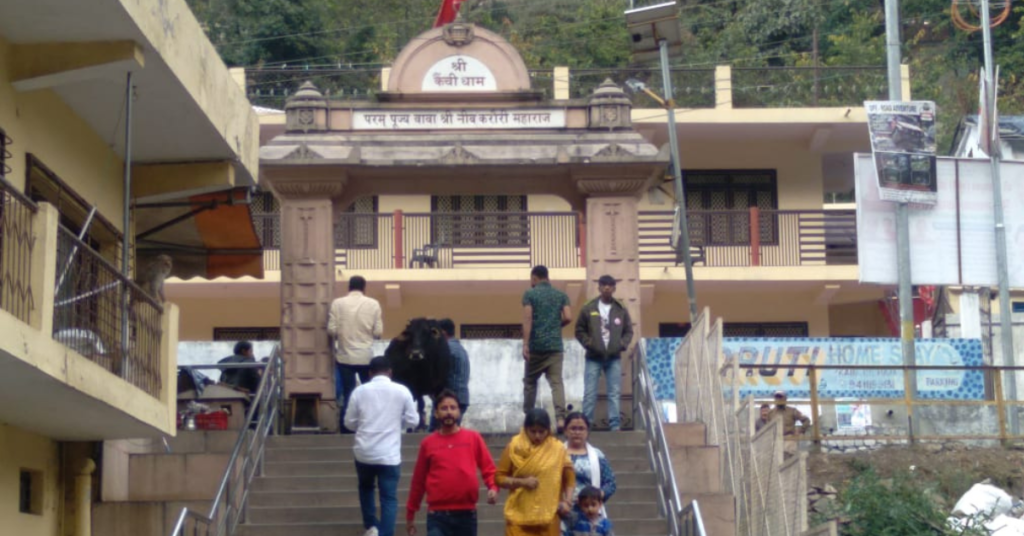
(372, 531)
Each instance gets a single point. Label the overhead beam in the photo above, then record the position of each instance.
(47, 65)
(819, 139)
(154, 183)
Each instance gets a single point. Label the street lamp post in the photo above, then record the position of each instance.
(654, 32)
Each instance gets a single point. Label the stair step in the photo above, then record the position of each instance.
(350, 497)
(599, 439)
(625, 513)
(409, 453)
(354, 527)
(342, 468)
(624, 479)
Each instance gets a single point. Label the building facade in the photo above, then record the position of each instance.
(446, 232)
(86, 354)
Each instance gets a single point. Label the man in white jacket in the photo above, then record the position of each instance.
(378, 411)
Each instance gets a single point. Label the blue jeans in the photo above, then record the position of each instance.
(384, 477)
(612, 369)
(460, 523)
(344, 384)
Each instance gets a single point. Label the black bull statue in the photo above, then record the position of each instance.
(420, 360)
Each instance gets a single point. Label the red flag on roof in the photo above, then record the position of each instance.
(449, 9)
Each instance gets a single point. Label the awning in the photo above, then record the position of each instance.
(209, 235)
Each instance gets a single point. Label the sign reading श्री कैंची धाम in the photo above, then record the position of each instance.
(463, 119)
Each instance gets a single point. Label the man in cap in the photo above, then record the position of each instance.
(790, 416)
(605, 330)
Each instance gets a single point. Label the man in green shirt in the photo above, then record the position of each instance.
(545, 311)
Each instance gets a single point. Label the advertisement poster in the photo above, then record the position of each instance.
(903, 143)
(771, 369)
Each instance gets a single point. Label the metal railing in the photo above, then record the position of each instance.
(751, 87)
(934, 418)
(786, 87)
(691, 521)
(769, 489)
(375, 241)
(90, 315)
(694, 88)
(229, 506)
(649, 416)
(17, 241)
(754, 237)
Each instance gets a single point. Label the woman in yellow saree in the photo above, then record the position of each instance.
(537, 470)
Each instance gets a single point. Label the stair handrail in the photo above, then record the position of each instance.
(693, 523)
(230, 504)
(657, 445)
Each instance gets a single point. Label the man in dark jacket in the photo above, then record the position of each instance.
(243, 379)
(605, 330)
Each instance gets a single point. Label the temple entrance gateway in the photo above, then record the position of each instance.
(458, 117)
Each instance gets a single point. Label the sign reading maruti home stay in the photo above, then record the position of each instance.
(773, 371)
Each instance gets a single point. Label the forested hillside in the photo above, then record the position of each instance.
(363, 35)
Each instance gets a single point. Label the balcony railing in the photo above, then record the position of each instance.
(556, 239)
(754, 238)
(89, 315)
(17, 241)
(443, 240)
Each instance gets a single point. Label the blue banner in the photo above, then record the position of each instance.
(773, 372)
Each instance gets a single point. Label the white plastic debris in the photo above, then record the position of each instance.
(1005, 525)
(985, 500)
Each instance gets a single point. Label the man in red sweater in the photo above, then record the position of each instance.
(446, 471)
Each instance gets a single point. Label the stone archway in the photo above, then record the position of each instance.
(458, 118)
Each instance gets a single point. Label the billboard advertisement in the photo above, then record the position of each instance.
(952, 242)
(903, 143)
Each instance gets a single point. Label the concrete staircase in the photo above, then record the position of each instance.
(697, 469)
(309, 488)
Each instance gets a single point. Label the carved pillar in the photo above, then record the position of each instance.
(307, 286)
(612, 237)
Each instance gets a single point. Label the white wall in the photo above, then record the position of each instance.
(495, 381)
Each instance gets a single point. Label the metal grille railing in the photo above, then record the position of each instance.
(784, 238)
(450, 240)
(229, 507)
(781, 87)
(17, 242)
(91, 316)
(694, 88)
(769, 490)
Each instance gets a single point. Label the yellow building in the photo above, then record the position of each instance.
(752, 143)
(85, 354)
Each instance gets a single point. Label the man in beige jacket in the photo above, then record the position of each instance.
(353, 322)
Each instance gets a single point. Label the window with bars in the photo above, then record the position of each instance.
(247, 334)
(725, 197)
(479, 221)
(491, 331)
(741, 329)
(356, 228)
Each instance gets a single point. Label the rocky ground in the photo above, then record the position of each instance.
(948, 468)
